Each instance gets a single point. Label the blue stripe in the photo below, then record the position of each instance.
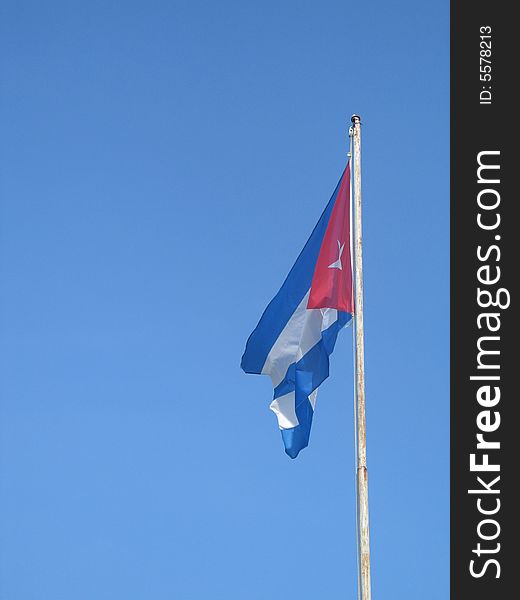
(283, 305)
(303, 377)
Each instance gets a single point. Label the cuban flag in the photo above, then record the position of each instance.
(298, 330)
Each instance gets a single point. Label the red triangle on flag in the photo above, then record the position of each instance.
(332, 281)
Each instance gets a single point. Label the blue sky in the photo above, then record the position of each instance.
(163, 164)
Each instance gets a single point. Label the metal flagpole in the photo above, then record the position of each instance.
(362, 472)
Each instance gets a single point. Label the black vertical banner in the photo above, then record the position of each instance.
(485, 265)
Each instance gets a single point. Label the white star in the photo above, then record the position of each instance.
(337, 264)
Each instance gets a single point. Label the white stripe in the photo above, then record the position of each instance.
(301, 332)
(312, 398)
(286, 346)
(285, 410)
(329, 315)
(317, 321)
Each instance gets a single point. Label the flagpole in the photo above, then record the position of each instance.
(362, 472)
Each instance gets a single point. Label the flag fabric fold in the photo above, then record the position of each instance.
(298, 330)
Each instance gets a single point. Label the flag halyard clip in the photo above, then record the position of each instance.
(350, 135)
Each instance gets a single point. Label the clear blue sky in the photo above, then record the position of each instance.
(162, 165)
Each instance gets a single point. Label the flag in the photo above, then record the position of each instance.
(298, 330)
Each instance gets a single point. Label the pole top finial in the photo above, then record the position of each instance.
(356, 119)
